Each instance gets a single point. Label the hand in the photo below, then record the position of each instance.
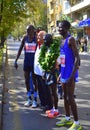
(43, 75)
(58, 79)
(15, 64)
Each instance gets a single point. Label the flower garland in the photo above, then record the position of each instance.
(48, 55)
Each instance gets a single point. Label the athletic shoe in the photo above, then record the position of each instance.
(28, 103)
(53, 114)
(47, 108)
(64, 122)
(34, 104)
(50, 111)
(75, 127)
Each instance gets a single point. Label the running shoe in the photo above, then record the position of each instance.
(34, 104)
(75, 127)
(28, 103)
(53, 114)
(50, 111)
(64, 122)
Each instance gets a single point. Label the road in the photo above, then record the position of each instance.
(18, 117)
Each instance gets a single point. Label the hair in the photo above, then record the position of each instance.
(42, 32)
(30, 27)
(48, 39)
(39, 29)
(66, 24)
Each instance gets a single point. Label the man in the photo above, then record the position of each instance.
(29, 44)
(47, 60)
(44, 94)
(69, 58)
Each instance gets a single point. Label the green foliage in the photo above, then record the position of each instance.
(15, 15)
(65, 17)
(1, 56)
(37, 14)
(48, 56)
(11, 12)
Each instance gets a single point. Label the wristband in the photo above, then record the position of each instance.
(15, 63)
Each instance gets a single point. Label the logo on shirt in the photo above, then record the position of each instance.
(30, 47)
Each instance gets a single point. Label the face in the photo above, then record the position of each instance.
(30, 32)
(40, 37)
(48, 39)
(62, 29)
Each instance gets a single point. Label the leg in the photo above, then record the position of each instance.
(72, 102)
(27, 80)
(34, 104)
(49, 101)
(53, 112)
(54, 95)
(66, 102)
(40, 85)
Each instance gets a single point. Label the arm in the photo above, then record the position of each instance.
(72, 44)
(19, 52)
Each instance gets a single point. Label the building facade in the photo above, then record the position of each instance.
(53, 15)
(78, 10)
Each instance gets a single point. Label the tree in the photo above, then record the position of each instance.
(37, 14)
(11, 11)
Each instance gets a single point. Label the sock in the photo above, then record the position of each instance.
(35, 96)
(76, 122)
(30, 98)
(53, 108)
(67, 117)
(56, 110)
(35, 99)
(29, 95)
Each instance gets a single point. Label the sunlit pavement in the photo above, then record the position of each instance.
(18, 117)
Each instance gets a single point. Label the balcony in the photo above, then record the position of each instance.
(52, 23)
(51, 11)
(76, 7)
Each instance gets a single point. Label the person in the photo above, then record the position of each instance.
(69, 75)
(49, 74)
(59, 85)
(29, 44)
(84, 44)
(43, 90)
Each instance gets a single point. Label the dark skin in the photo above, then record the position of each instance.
(52, 87)
(30, 33)
(69, 86)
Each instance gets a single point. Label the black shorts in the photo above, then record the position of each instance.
(28, 68)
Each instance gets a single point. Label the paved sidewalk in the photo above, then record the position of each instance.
(14, 111)
(2, 84)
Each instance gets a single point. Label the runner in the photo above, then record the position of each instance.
(29, 44)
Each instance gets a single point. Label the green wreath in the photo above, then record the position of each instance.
(48, 55)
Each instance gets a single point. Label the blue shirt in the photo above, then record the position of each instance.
(29, 52)
(67, 62)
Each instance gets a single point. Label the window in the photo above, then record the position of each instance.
(61, 1)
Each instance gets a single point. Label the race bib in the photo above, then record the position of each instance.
(30, 47)
(62, 60)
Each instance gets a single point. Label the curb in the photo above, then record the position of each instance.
(2, 87)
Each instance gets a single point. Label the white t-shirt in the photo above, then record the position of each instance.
(58, 60)
(37, 68)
